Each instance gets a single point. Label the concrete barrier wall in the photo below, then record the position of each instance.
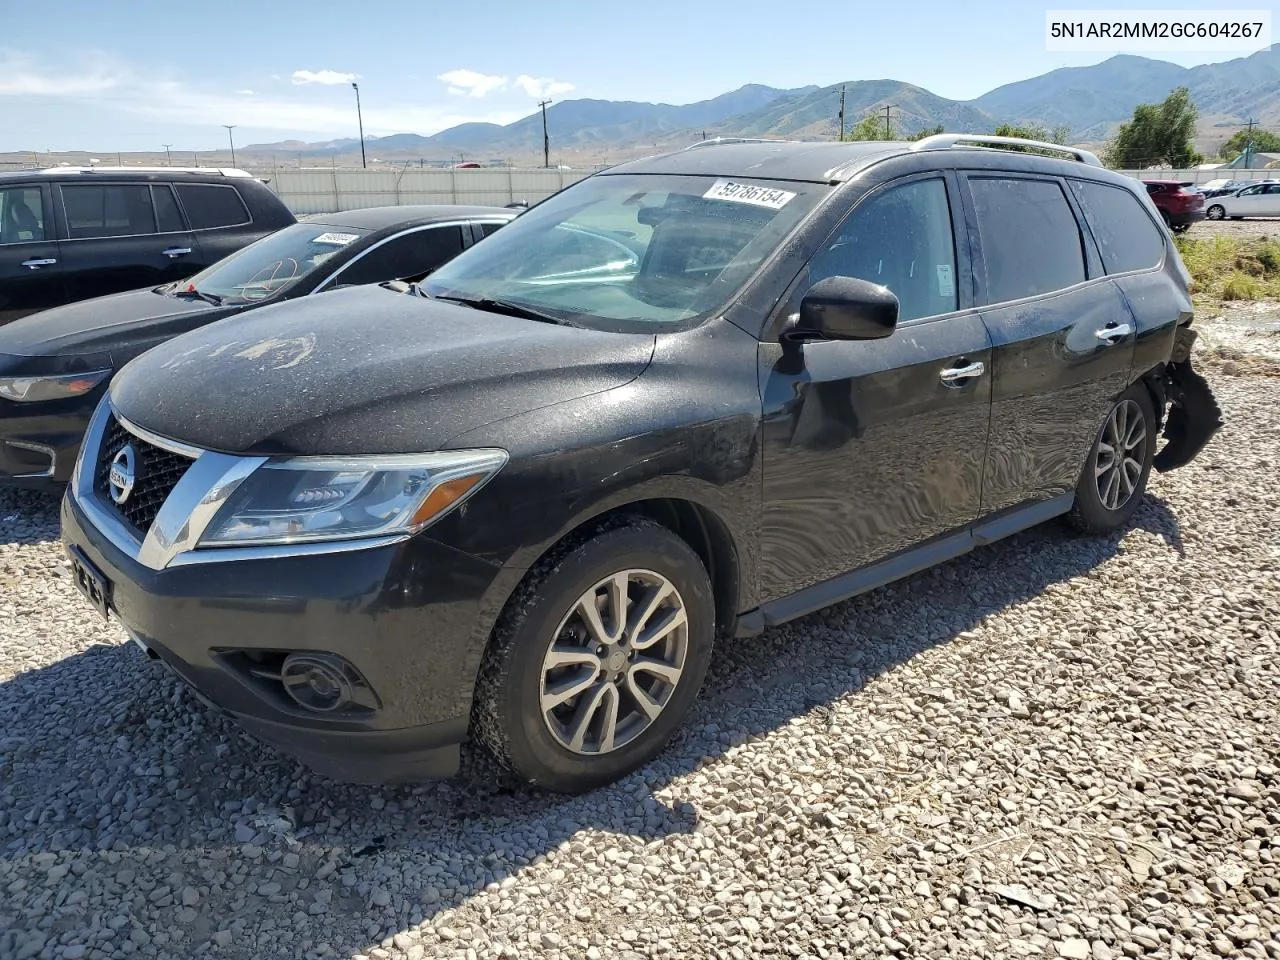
(328, 191)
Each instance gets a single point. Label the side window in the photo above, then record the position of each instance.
(1030, 238)
(108, 210)
(900, 238)
(209, 205)
(405, 258)
(1273, 189)
(168, 216)
(1127, 238)
(21, 215)
(489, 228)
(1249, 192)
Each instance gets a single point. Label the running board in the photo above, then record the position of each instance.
(904, 564)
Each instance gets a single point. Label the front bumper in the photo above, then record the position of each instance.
(39, 450)
(406, 616)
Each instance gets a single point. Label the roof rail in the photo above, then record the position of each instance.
(945, 141)
(715, 140)
(97, 168)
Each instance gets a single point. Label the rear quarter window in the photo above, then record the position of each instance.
(1030, 238)
(210, 205)
(1127, 238)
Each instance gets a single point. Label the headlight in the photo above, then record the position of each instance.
(35, 389)
(344, 498)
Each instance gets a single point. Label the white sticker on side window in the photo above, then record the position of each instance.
(749, 193)
(946, 280)
(337, 239)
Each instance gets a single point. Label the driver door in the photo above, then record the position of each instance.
(873, 447)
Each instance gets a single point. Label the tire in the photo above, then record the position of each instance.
(1182, 228)
(1107, 496)
(1216, 211)
(517, 678)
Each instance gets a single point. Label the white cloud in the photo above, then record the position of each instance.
(109, 87)
(245, 93)
(328, 78)
(472, 83)
(21, 76)
(542, 86)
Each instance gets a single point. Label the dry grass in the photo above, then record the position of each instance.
(1227, 268)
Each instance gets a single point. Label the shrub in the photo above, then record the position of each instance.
(1241, 286)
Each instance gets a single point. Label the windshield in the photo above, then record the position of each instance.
(273, 263)
(630, 251)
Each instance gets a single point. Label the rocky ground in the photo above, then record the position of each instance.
(1241, 229)
(1056, 747)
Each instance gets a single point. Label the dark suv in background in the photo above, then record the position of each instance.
(683, 400)
(70, 233)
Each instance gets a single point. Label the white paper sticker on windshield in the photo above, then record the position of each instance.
(946, 280)
(337, 239)
(749, 193)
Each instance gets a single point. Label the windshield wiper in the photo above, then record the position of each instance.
(507, 308)
(191, 293)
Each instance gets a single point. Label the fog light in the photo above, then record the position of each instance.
(316, 681)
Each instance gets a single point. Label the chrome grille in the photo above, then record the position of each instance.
(159, 471)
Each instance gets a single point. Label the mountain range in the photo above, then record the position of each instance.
(1090, 102)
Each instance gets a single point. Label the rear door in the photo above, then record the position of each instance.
(1247, 203)
(121, 236)
(30, 258)
(872, 447)
(220, 219)
(1269, 204)
(1062, 335)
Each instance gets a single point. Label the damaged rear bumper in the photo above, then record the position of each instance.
(1194, 415)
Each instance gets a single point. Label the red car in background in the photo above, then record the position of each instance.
(1179, 202)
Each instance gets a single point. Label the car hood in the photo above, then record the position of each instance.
(364, 370)
(106, 324)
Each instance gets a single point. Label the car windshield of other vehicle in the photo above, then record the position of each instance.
(626, 252)
(272, 264)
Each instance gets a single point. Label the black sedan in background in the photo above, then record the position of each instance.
(56, 364)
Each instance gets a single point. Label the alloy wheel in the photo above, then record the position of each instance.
(1121, 453)
(1215, 212)
(614, 662)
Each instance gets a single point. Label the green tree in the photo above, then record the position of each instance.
(870, 128)
(1264, 141)
(926, 132)
(1033, 132)
(1159, 133)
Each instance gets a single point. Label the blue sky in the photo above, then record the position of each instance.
(132, 76)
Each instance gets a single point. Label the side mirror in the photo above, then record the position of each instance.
(846, 308)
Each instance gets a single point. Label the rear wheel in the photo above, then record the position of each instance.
(1115, 475)
(598, 659)
(1181, 228)
(1216, 212)
(1164, 215)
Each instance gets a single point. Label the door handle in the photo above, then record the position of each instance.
(37, 264)
(173, 252)
(1113, 335)
(961, 374)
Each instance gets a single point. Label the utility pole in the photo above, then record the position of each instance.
(168, 157)
(360, 120)
(231, 140)
(888, 131)
(842, 114)
(546, 140)
(1250, 124)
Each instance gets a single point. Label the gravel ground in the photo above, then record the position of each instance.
(1056, 746)
(1255, 227)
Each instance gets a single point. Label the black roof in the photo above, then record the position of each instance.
(377, 218)
(212, 175)
(817, 162)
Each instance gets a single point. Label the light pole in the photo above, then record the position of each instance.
(360, 120)
(168, 157)
(230, 140)
(546, 140)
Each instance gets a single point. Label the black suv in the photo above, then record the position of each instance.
(70, 233)
(683, 400)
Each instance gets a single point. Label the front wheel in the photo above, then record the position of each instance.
(1115, 475)
(1216, 212)
(598, 658)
